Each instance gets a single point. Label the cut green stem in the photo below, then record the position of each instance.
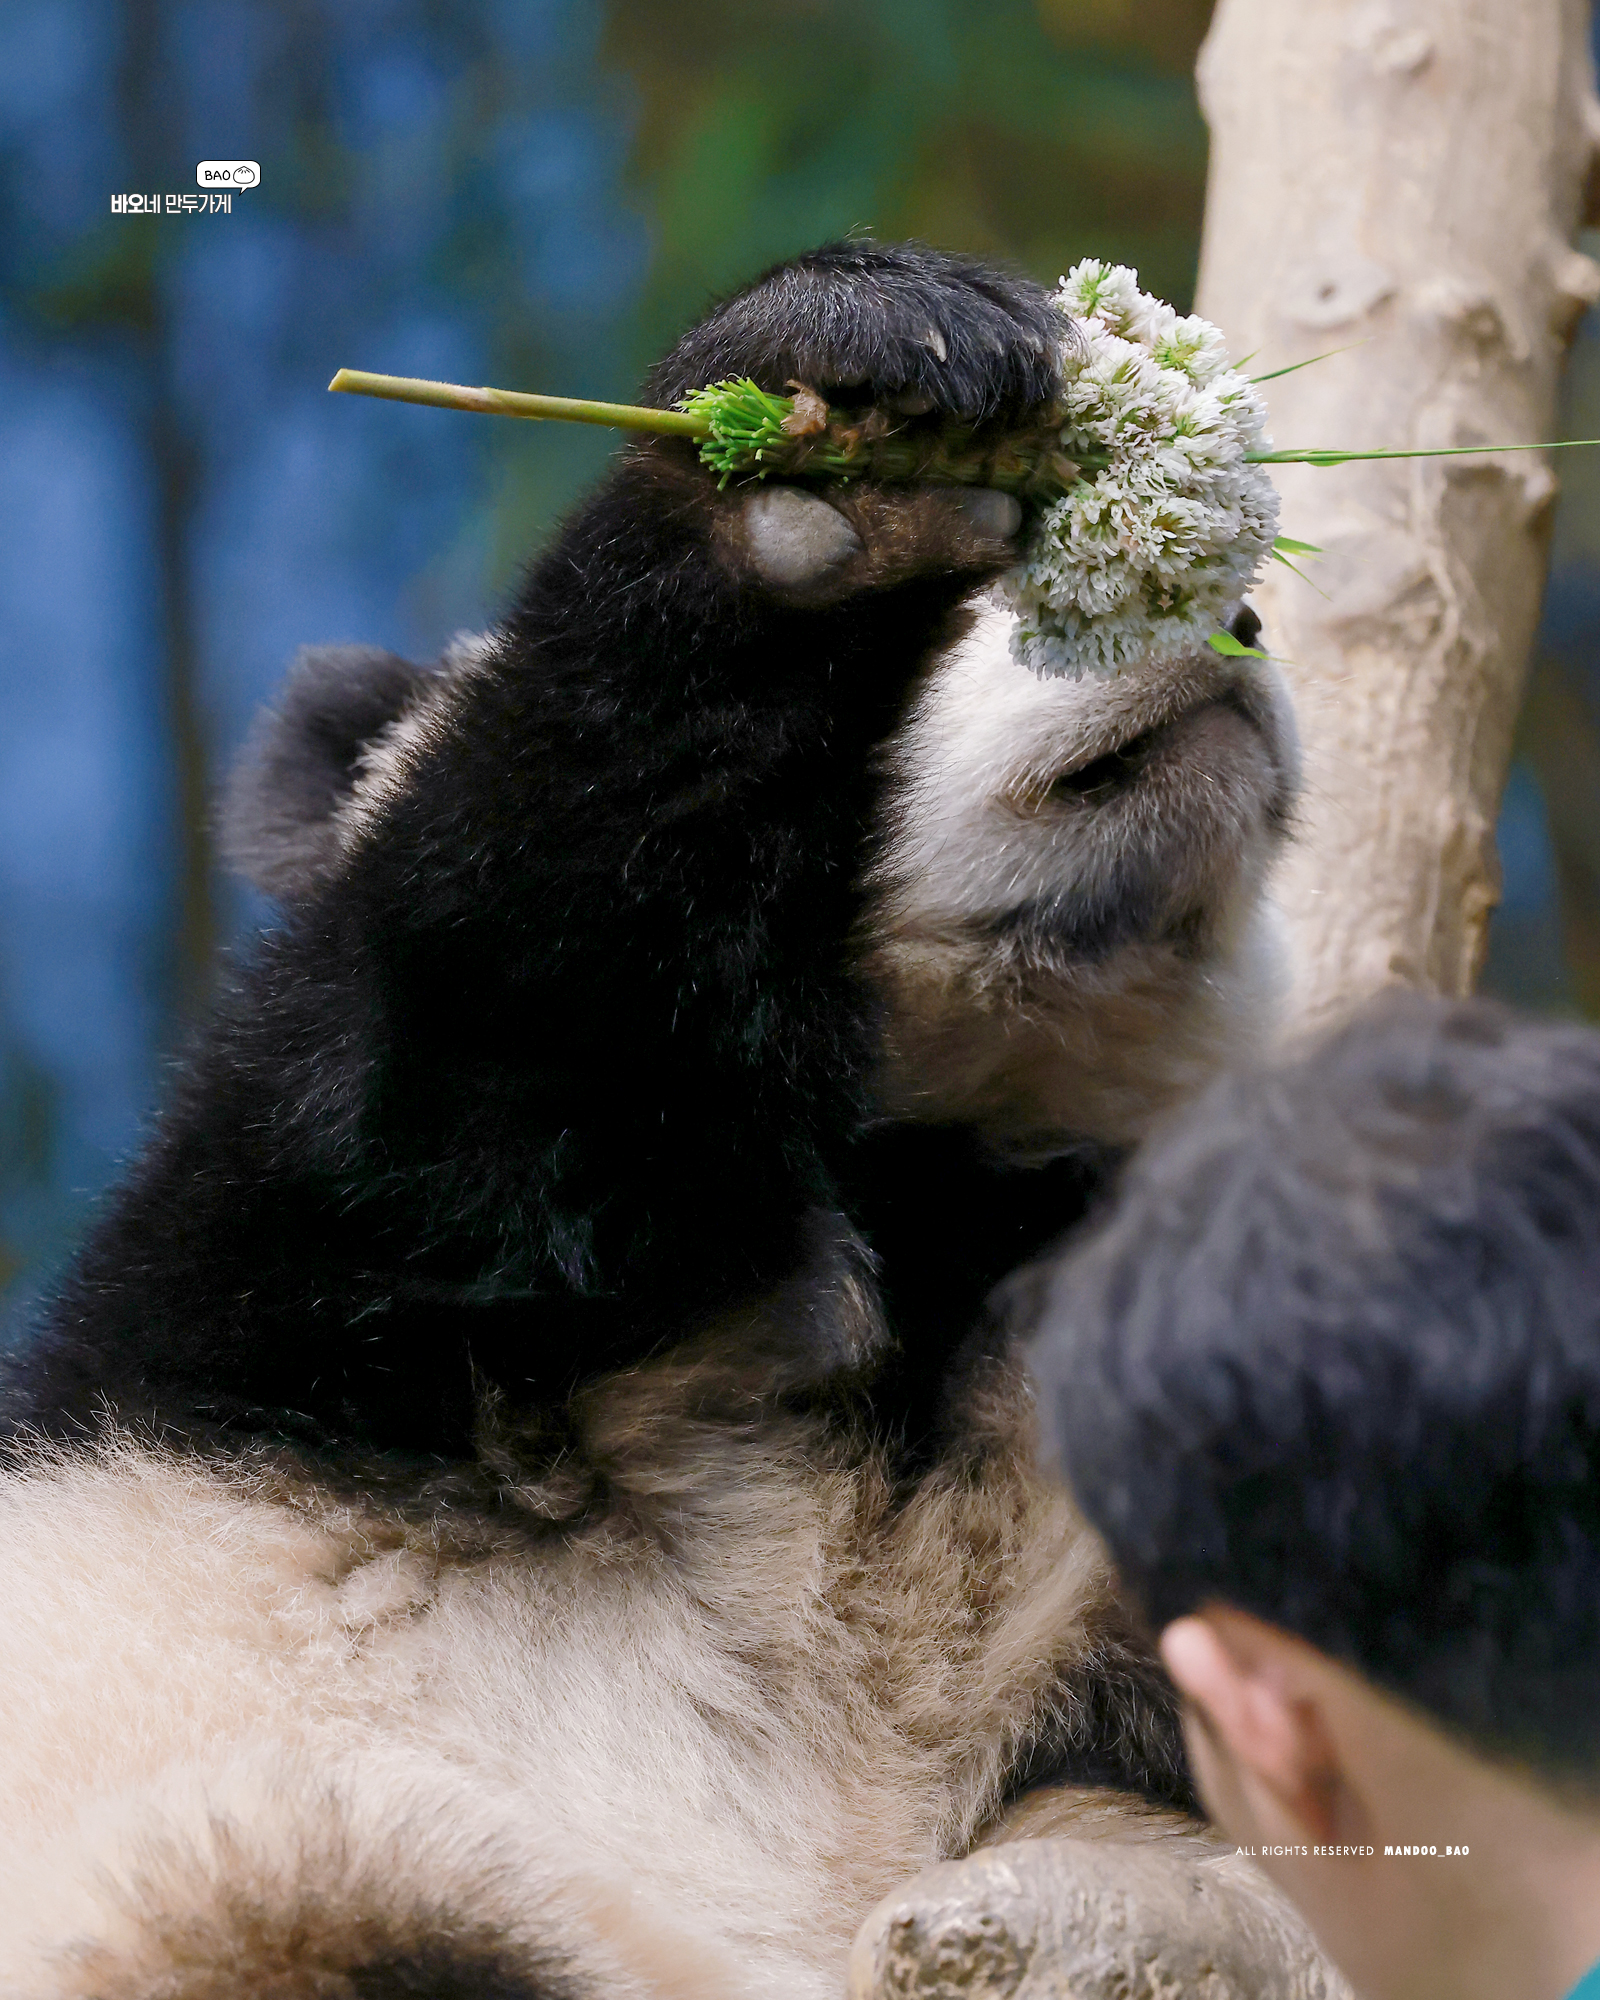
(517, 403)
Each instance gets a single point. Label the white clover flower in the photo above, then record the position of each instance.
(1168, 527)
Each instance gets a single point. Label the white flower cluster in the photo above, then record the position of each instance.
(1169, 524)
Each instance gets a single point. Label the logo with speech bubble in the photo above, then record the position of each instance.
(228, 173)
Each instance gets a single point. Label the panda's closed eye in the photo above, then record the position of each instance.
(1109, 774)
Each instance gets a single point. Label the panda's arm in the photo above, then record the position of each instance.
(555, 1061)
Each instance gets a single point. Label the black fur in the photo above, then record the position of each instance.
(947, 1221)
(452, 1971)
(556, 1063)
(1114, 1724)
(865, 322)
(315, 1947)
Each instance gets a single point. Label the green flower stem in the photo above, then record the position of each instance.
(745, 432)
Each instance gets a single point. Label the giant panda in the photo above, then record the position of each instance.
(524, 1491)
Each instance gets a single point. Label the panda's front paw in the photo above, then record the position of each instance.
(895, 325)
(810, 550)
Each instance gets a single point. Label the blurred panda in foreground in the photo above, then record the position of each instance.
(1328, 1382)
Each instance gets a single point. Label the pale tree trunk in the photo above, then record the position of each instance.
(1406, 174)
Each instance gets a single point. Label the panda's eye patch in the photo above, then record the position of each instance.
(1108, 774)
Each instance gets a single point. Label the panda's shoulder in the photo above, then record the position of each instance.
(281, 821)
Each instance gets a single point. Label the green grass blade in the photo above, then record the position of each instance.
(1277, 556)
(1311, 360)
(1321, 457)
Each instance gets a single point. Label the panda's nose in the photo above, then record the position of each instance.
(1246, 625)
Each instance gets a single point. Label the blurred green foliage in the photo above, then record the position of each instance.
(1033, 130)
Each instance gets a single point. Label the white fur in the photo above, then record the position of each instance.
(985, 741)
(750, 1700)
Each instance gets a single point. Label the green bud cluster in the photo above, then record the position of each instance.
(752, 434)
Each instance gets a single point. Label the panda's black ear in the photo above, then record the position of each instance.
(276, 824)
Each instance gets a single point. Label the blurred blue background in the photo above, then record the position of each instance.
(538, 193)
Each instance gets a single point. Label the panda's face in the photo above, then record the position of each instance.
(1067, 922)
